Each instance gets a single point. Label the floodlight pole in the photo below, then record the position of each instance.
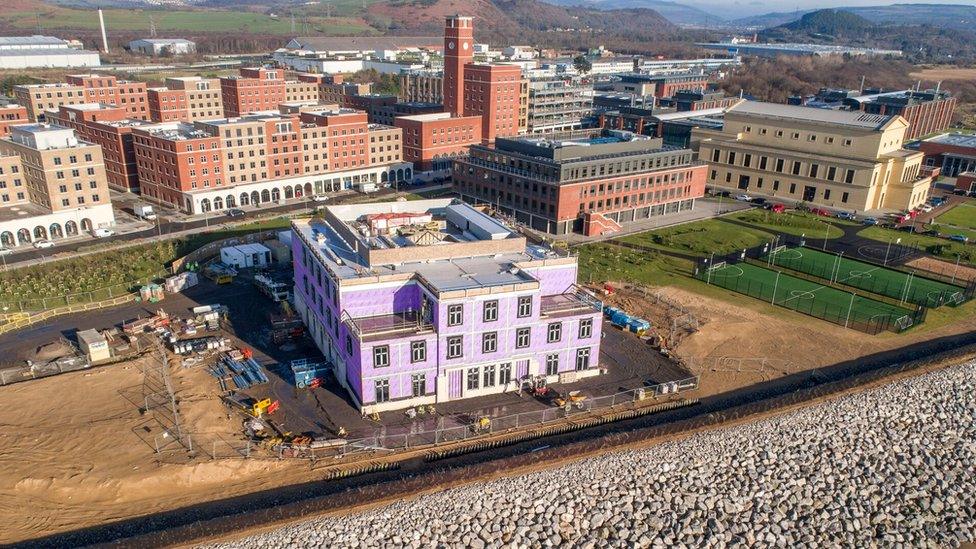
(849, 308)
(956, 268)
(772, 301)
(708, 269)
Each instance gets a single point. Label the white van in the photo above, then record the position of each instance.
(102, 233)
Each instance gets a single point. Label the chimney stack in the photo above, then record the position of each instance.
(101, 23)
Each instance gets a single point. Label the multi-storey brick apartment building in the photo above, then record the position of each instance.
(926, 112)
(110, 128)
(10, 115)
(580, 182)
(254, 89)
(56, 182)
(84, 88)
(187, 99)
(431, 141)
(433, 301)
(264, 157)
(841, 159)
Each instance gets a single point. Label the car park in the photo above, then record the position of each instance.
(41, 244)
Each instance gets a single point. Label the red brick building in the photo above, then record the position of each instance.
(927, 112)
(176, 158)
(458, 52)
(166, 105)
(109, 127)
(11, 115)
(109, 90)
(255, 89)
(494, 92)
(431, 141)
(580, 182)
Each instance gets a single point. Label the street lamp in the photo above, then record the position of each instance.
(888, 249)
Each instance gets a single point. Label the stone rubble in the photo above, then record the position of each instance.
(894, 466)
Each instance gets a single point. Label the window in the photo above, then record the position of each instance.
(792, 188)
(489, 376)
(814, 168)
(381, 356)
(776, 185)
(489, 342)
(844, 197)
(491, 311)
(826, 194)
(418, 383)
(715, 154)
(418, 351)
(522, 336)
(525, 306)
(552, 364)
(583, 358)
(473, 379)
(779, 164)
(454, 347)
(731, 157)
(382, 390)
(586, 328)
(831, 173)
(796, 168)
(555, 332)
(455, 315)
(849, 176)
(505, 373)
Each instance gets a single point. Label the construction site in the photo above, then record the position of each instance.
(213, 389)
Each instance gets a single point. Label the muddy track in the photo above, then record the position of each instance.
(258, 511)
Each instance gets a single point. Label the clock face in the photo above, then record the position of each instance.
(450, 45)
(464, 45)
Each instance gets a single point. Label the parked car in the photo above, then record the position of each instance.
(821, 212)
(910, 229)
(925, 208)
(937, 201)
(102, 233)
(6, 251)
(847, 215)
(235, 212)
(959, 238)
(869, 221)
(758, 201)
(900, 218)
(319, 198)
(743, 197)
(777, 208)
(40, 244)
(960, 192)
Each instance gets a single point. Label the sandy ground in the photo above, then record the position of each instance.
(945, 268)
(945, 73)
(75, 449)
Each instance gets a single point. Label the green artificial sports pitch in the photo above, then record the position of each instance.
(900, 285)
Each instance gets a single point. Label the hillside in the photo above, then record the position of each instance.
(833, 23)
(679, 14)
(946, 16)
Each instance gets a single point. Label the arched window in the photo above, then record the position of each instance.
(55, 230)
(40, 232)
(7, 239)
(23, 236)
(205, 205)
(86, 224)
(265, 196)
(71, 228)
(275, 194)
(244, 199)
(218, 203)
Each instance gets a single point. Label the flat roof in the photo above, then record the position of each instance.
(956, 139)
(428, 117)
(22, 211)
(856, 119)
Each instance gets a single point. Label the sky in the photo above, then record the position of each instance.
(733, 9)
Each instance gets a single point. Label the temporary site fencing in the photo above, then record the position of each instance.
(384, 442)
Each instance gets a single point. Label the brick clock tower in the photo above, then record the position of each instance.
(458, 51)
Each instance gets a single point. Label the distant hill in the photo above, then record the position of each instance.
(679, 14)
(946, 16)
(833, 23)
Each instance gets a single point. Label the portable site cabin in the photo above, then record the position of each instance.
(243, 256)
(94, 345)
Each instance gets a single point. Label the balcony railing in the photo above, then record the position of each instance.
(373, 327)
(575, 301)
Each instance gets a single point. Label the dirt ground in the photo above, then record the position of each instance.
(945, 73)
(76, 451)
(946, 268)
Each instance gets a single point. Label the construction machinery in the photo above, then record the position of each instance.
(285, 324)
(482, 425)
(251, 406)
(575, 399)
(219, 273)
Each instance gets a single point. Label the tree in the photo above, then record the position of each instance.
(582, 64)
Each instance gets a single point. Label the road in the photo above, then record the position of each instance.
(173, 224)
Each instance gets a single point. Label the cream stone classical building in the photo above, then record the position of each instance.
(837, 159)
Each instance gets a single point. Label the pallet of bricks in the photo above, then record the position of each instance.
(237, 369)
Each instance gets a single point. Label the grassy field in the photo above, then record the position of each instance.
(804, 296)
(107, 273)
(601, 262)
(794, 223)
(55, 17)
(961, 215)
(939, 247)
(701, 237)
(865, 276)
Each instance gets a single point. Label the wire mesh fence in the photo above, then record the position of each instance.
(902, 286)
